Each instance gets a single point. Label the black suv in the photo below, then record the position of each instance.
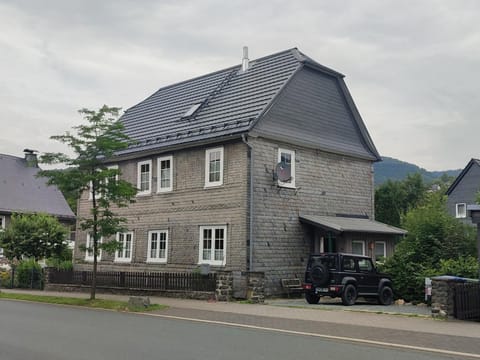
(347, 276)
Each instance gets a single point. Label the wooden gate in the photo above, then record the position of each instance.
(467, 301)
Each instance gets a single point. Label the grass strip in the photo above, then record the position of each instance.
(97, 303)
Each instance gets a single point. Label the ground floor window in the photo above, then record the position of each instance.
(89, 249)
(213, 241)
(380, 250)
(157, 246)
(124, 254)
(358, 247)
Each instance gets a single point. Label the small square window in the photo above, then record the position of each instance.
(461, 210)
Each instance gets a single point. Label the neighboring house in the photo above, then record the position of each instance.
(22, 192)
(463, 191)
(249, 168)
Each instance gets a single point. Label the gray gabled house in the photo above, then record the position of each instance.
(21, 191)
(250, 168)
(463, 191)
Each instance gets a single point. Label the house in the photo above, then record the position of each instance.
(463, 191)
(250, 168)
(21, 191)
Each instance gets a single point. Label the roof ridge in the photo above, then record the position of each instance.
(230, 68)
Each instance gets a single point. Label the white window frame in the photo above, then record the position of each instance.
(157, 259)
(291, 182)
(89, 243)
(3, 224)
(161, 189)
(209, 183)
(458, 214)
(123, 258)
(139, 177)
(384, 249)
(212, 260)
(363, 246)
(99, 195)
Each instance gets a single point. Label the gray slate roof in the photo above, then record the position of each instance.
(21, 191)
(351, 224)
(232, 102)
(462, 174)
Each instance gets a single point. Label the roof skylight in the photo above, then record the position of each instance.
(191, 110)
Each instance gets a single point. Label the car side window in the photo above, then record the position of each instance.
(348, 264)
(365, 265)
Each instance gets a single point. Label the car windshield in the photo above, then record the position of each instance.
(328, 261)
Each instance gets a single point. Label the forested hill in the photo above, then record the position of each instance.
(393, 169)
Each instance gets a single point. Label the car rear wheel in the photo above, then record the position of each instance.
(312, 298)
(386, 296)
(349, 295)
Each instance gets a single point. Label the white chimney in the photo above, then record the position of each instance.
(245, 61)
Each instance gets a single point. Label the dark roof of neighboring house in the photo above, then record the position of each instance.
(21, 191)
(462, 174)
(230, 103)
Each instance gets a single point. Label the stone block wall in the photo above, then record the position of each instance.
(443, 301)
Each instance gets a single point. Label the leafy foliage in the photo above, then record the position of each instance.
(93, 144)
(436, 244)
(394, 198)
(33, 236)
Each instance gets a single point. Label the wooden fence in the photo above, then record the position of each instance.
(467, 301)
(136, 280)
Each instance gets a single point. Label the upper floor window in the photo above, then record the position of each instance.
(144, 177)
(214, 167)
(287, 157)
(157, 246)
(213, 244)
(2, 222)
(164, 176)
(89, 248)
(461, 210)
(124, 254)
(98, 192)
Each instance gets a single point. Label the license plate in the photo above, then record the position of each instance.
(322, 290)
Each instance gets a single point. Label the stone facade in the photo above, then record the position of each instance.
(182, 212)
(325, 184)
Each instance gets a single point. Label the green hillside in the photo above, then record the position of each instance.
(393, 169)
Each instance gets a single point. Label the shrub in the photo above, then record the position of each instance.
(29, 275)
(463, 266)
(60, 264)
(5, 279)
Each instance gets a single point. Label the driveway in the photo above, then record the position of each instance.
(336, 304)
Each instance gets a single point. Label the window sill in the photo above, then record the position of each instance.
(213, 186)
(144, 194)
(153, 261)
(124, 261)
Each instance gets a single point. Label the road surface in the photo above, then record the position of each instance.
(49, 332)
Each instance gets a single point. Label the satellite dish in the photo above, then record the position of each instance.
(283, 171)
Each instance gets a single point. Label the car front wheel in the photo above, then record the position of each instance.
(349, 295)
(386, 296)
(312, 298)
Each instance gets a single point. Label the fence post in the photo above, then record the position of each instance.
(122, 279)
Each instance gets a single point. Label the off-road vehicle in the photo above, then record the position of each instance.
(347, 276)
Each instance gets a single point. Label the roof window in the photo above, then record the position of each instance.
(191, 110)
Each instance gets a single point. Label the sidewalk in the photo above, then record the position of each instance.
(334, 316)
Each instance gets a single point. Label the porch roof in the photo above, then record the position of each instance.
(350, 224)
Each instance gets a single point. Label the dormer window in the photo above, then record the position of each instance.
(191, 111)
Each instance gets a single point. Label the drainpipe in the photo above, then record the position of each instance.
(250, 150)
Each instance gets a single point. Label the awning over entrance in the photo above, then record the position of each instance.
(340, 224)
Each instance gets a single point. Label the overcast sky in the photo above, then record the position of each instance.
(411, 66)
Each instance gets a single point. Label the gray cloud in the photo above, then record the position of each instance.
(411, 66)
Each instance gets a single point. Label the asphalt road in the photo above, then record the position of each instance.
(41, 332)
